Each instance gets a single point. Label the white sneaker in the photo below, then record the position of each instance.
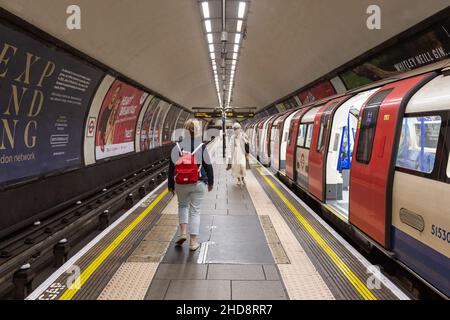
(181, 239)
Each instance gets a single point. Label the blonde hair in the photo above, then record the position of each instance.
(193, 127)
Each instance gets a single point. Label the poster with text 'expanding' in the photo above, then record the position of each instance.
(44, 96)
(117, 120)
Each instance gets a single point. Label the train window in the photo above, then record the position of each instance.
(322, 132)
(448, 166)
(368, 125)
(291, 129)
(418, 143)
(301, 135)
(309, 135)
(367, 134)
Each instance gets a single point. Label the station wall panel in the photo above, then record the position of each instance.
(44, 97)
(91, 123)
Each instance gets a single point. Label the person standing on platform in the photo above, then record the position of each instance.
(190, 175)
(238, 156)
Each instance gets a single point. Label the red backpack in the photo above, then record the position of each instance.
(186, 168)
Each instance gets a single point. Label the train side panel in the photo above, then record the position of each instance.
(372, 160)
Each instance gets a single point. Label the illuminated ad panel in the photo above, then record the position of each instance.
(147, 129)
(427, 47)
(159, 123)
(117, 120)
(44, 97)
(317, 92)
(169, 124)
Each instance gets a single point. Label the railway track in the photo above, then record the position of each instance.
(26, 253)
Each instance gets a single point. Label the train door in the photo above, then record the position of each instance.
(340, 149)
(271, 133)
(284, 141)
(276, 146)
(319, 146)
(420, 211)
(291, 172)
(263, 156)
(302, 147)
(371, 177)
(259, 133)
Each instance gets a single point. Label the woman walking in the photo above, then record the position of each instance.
(238, 156)
(190, 174)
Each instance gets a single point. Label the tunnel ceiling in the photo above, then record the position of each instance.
(160, 43)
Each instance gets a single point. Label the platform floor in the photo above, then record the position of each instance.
(259, 242)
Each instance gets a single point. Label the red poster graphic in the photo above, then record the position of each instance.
(117, 120)
(319, 91)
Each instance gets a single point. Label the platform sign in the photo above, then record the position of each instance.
(44, 97)
(91, 127)
(240, 115)
(117, 120)
(208, 115)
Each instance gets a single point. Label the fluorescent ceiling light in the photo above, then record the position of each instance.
(211, 48)
(236, 48)
(215, 68)
(210, 38)
(235, 56)
(237, 38)
(205, 8)
(213, 55)
(241, 10)
(233, 64)
(239, 26)
(208, 26)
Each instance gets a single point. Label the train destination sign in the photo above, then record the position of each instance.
(208, 115)
(240, 115)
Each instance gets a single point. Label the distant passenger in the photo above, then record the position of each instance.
(190, 174)
(238, 157)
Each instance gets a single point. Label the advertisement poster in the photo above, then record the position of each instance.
(426, 48)
(319, 91)
(44, 97)
(169, 124)
(146, 129)
(159, 123)
(117, 120)
(281, 107)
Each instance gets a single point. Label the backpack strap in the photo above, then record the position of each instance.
(196, 149)
(193, 153)
(179, 149)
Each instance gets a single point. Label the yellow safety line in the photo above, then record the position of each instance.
(87, 273)
(348, 273)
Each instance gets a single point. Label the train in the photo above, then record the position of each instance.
(376, 160)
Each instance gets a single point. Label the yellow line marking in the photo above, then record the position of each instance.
(348, 273)
(87, 273)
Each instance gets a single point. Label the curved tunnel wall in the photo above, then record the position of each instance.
(68, 127)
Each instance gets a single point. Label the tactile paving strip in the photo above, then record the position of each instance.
(275, 245)
(130, 282)
(337, 282)
(300, 278)
(99, 279)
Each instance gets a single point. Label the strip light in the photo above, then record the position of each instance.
(205, 8)
(225, 81)
(239, 26)
(208, 26)
(241, 10)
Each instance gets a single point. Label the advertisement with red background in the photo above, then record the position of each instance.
(319, 91)
(117, 120)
